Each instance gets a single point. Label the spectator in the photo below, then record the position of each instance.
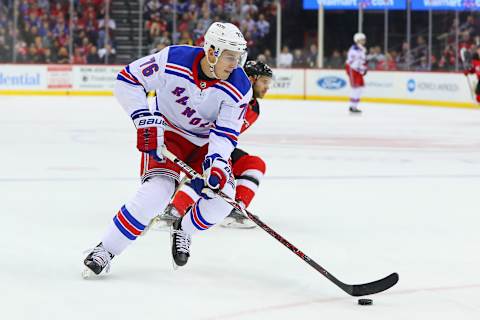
(388, 63)
(33, 56)
(158, 48)
(185, 39)
(164, 38)
(198, 32)
(285, 58)
(5, 51)
(110, 26)
(374, 57)
(470, 26)
(422, 65)
(22, 51)
(447, 59)
(249, 8)
(311, 57)
(268, 57)
(150, 7)
(261, 57)
(298, 59)
(205, 20)
(420, 51)
(465, 41)
(247, 24)
(404, 59)
(47, 56)
(336, 61)
(63, 55)
(107, 54)
(92, 56)
(263, 25)
(78, 57)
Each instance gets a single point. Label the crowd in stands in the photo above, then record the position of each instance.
(43, 32)
(253, 17)
(444, 55)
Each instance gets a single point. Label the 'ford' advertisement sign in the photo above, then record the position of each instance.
(331, 83)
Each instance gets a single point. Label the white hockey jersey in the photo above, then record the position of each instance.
(356, 58)
(200, 111)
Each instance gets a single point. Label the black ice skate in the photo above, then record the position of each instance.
(97, 260)
(237, 220)
(180, 244)
(355, 110)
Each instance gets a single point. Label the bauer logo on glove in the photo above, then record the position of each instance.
(150, 135)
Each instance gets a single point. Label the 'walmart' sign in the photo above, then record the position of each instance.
(355, 4)
(446, 5)
(421, 5)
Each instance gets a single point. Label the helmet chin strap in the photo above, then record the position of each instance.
(211, 67)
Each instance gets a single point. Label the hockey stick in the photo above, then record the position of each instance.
(355, 290)
(464, 56)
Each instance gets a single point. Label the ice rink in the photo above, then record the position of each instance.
(396, 189)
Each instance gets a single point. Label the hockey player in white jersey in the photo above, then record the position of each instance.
(356, 67)
(202, 98)
(248, 169)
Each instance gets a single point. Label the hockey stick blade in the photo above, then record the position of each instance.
(358, 290)
(355, 290)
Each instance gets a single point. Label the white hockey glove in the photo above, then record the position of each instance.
(216, 172)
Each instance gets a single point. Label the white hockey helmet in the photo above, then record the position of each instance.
(225, 36)
(359, 37)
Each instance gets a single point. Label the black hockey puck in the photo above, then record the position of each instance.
(365, 302)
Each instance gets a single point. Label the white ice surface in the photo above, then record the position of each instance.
(394, 190)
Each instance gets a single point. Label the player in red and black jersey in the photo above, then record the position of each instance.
(248, 169)
(475, 69)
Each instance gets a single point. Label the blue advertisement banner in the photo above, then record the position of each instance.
(446, 5)
(355, 4)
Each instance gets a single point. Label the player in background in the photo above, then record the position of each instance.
(248, 170)
(202, 98)
(475, 69)
(356, 67)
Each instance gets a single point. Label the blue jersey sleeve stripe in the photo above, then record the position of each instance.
(227, 92)
(134, 113)
(178, 74)
(127, 68)
(143, 114)
(226, 130)
(230, 136)
(122, 78)
(223, 135)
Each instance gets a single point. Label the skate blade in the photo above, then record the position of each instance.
(87, 274)
(233, 224)
(162, 226)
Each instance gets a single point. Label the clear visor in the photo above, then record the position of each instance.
(236, 58)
